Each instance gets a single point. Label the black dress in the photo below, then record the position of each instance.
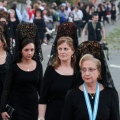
(75, 106)
(40, 27)
(53, 92)
(21, 92)
(12, 28)
(3, 70)
(113, 14)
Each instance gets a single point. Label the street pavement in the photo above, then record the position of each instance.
(113, 63)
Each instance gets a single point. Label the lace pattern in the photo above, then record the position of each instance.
(66, 29)
(28, 30)
(94, 48)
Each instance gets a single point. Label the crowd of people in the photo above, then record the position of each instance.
(77, 83)
(49, 17)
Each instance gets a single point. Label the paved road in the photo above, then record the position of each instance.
(114, 57)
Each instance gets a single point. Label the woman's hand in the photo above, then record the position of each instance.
(41, 118)
(5, 116)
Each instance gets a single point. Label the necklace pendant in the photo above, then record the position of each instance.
(92, 97)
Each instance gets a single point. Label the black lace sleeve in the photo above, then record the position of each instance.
(40, 78)
(7, 88)
(38, 50)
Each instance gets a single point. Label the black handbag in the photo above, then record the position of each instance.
(10, 110)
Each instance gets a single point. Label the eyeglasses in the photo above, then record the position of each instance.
(90, 70)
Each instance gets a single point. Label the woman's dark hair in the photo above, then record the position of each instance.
(3, 40)
(66, 7)
(94, 14)
(25, 42)
(38, 10)
(14, 5)
(19, 46)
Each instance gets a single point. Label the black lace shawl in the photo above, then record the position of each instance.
(27, 30)
(94, 48)
(67, 29)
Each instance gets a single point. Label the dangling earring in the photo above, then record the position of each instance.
(72, 56)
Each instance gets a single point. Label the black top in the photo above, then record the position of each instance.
(54, 84)
(3, 69)
(20, 84)
(113, 14)
(54, 89)
(75, 106)
(100, 15)
(12, 28)
(40, 27)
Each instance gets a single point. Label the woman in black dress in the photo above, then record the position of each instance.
(99, 12)
(12, 24)
(59, 75)
(96, 97)
(23, 80)
(66, 29)
(103, 14)
(58, 79)
(5, 61)
(113, 14)
(39, 21)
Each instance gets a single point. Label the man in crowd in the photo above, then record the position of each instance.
(77, 18)
(95, 29)
(3, 4)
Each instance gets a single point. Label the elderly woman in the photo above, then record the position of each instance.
(92, 100)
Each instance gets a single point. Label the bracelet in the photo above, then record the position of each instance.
(41, 118)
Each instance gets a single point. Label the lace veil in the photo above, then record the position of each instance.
(4, 14)
(27, 30)
(65, 29)
(94, 48)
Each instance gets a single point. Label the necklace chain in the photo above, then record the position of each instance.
(65, 72)
(27, 68)
(92, 95)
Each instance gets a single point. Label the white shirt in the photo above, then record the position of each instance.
(19, 15)
(41, 7)
(25, 17)
(78, 15)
